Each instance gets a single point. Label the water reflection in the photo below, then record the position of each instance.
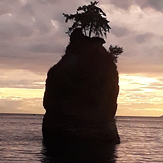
(79, 152)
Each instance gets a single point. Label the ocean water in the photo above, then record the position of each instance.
(21, 142)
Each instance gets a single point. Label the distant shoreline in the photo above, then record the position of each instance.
(33, 114)
(28, 114)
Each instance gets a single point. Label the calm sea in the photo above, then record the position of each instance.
(21, 141)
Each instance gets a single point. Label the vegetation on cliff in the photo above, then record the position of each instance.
(92, 22)
(91, 19)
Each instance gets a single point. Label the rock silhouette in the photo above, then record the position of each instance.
(80, 152)
(81, 93)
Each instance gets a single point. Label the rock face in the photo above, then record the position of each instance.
(81, 93)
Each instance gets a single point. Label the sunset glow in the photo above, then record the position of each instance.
(141, 95)
(33, 39)
(20, 93)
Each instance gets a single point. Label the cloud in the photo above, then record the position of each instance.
(156, 85)
(122, 4)
(134, 90)
(143, 4)
(142, 38)
(119, 31)
(154, 4)
(16, 78)
(10, 29)
(9, 106)
(33, 105)
(33, 39)
(139, 109)
(29, 84)
(33, 33)
(42, 48)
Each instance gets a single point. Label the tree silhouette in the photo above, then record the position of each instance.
(91, 19)
(115, 51)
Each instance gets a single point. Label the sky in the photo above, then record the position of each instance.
(33, 39)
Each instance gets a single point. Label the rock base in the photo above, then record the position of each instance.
(73, 129)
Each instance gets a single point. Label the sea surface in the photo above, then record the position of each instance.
(21, 142)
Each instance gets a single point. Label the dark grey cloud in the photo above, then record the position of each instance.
(140, 38)
(11, 29)
(36, 63)
(32, 34)
(43, 48)
(143, 4)
(122, 4)
(119, 31)
(154, 4)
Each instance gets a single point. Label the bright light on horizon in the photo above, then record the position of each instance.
(139, 96)
(21, 93)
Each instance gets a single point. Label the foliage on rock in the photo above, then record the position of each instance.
(115, 51)
(91, 19)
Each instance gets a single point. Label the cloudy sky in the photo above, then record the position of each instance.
(33, 39)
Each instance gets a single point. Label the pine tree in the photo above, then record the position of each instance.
(115, 51)
(91, 19)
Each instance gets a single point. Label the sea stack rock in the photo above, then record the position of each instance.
(81, 93)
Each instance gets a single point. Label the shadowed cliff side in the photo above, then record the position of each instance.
(81, 93)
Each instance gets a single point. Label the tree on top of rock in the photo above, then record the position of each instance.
(115, 51)
(91, 19)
